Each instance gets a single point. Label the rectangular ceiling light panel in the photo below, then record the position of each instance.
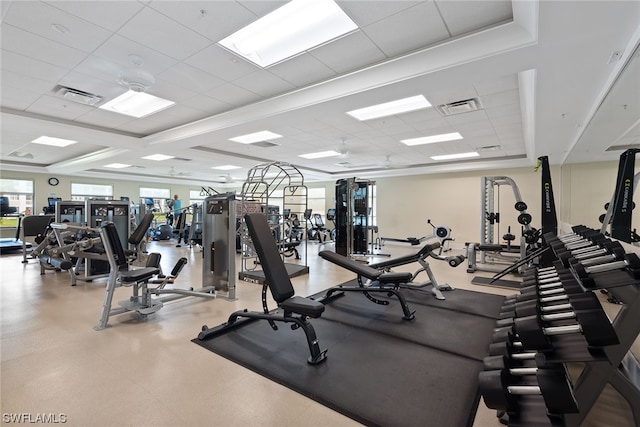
(399, 106)
(255, 137)
(226, 167)
(158, 157)
(433, 139)
(137, 104)
(289, 30)
(117, 165)
(54, 142)
(320, 154)
(456, 156)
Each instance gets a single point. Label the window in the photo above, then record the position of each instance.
(195, 196)
(81, 192)
(155, 200)
(19, 194)
(316, 201)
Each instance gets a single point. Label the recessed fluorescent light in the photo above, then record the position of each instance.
(255, 137)
(291, 29)
(117, 165)
(56, 142)
(432, 139)
(456, 156)
(320, 154)
(399, 106)
(158, 157)
(226, 167)
(137, 104)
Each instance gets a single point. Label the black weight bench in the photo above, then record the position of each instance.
(381, 282)
(293, 309)
(428, 250)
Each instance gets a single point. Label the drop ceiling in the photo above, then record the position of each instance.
(535, 70)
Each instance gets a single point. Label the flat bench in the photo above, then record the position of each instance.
(381, 282)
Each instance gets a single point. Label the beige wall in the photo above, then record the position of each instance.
(405, 203)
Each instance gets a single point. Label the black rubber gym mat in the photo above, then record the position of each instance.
(380, 369)
(499, 283)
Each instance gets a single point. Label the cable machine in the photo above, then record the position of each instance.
(219, 243)
(276, 190)
(354, 216)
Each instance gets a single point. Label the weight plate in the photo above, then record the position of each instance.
(524, 219)
(521, 206)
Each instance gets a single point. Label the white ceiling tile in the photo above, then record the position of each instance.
(504, 111)
(463, 17)
(213, 19)
(338, 55)
(472, 117)
(153, 29)
(104, 13)
(206, 103)
(374, 11)
(408, 30)
(40, 48)
(498, 84)
(64, 109)
(103, 118)
(37, 18)
(221, 63)
(14, 96)
(233, 95)
(498, 99)
(263, 83)
(302, 70)
(118, 50)
(189, 77)
(46, 74)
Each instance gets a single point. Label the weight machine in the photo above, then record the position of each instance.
(270, 188)
(355, 229)
(490, 250)
(219, 243)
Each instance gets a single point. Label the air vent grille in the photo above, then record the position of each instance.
(264, 144)
(76, 95)
(460, 107)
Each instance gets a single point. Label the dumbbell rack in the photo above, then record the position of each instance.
(622, 366)
(604, 364)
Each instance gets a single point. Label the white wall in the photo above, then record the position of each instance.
(405, 203)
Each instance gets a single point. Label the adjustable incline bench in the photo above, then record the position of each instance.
(428, 250)
(381, 282)
(278, 282)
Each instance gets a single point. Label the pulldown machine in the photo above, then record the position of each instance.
(489, 250)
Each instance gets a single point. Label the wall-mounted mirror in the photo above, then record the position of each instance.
(589, 172)
(616, 124)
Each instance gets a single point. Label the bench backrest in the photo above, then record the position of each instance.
(141, 230)
(114, 242)
(277, 277)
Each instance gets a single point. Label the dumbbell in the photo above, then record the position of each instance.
(586, 301)
(630, 264)
(594, 325)
(500, 390)
(610, 249)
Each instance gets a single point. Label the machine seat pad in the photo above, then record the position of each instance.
(304, 306)
(392, 277)
(138, 275)
(351, 265)
(493, 248)
(287, 245)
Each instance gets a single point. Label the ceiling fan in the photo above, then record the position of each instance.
(175, 173)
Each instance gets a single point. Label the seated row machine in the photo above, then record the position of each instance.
(142, 300)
